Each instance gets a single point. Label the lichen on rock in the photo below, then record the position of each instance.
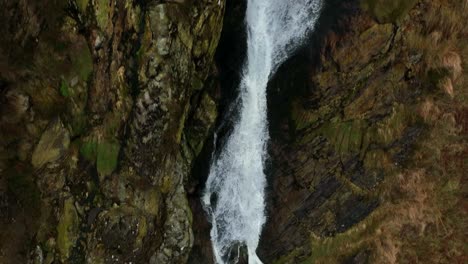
(53, 144)
(67, 228)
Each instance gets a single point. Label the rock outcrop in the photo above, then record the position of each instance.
(361, 150)
(102, 118)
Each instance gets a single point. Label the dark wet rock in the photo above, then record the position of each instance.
(111, 105)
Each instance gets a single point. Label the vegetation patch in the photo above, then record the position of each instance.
(89, 150)
(82, 4)
(82, 62)
(107, 155)
(388, 11)
(64, 89)
(420, 218)
(102, 13)
(67, 229)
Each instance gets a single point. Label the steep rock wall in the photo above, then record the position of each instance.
(367, 128)
(102, 116)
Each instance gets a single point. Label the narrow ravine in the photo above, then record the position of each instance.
(235, 190)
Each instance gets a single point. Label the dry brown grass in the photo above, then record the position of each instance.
(452, 61)
(442, 44)
(429, 111)
(422, 216)
(447, 86)
(445, 18)
(414, 209)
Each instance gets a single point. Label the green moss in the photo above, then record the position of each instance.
(288, 258)
(346, 136)
(301, 118)
(336, 249)
(152, 200)
(64, 89)
(343, 144)
(82, 4)
(197, 83)
(166, 185)
(186, 36)
(107, 157)
(386, 11)
(78, 124)
(134, 13)
(67, 229)
(142, 232)
(82, 63)
(89, 150)
(329, 249)
(356, 135)
(102, 13)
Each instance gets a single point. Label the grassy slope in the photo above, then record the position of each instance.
(422, 215)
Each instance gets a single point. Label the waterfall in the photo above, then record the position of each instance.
(235, 190)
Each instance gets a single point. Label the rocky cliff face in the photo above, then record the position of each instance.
(107, 109)
(105, 106)
(364, 153)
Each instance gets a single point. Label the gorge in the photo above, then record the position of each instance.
(236, 181)
(233, 131)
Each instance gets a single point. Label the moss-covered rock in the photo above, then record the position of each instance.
(88, 150)
(67, 229)
(64, 89)
(99, 100)
(102, 9)
(53, 144)
(201, 123)
(107, 157)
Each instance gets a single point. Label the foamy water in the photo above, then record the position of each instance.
(236, 183)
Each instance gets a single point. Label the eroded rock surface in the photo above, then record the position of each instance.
(353, 168)
(109, 108)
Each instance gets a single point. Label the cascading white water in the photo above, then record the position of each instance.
(234, 194)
